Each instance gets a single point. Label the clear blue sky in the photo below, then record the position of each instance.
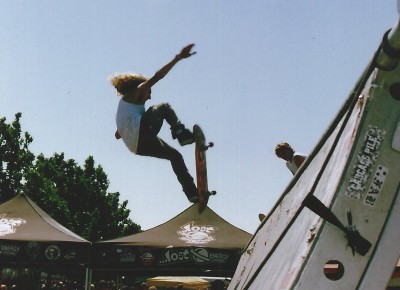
(265, 72)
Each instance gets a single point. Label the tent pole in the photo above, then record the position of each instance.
(88, 279)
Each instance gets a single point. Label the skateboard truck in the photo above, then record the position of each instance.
(212, 192)
(205, 147)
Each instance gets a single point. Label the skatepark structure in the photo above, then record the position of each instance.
(336, 224)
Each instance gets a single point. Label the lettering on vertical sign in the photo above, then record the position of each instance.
(376, 185)
(366, 160)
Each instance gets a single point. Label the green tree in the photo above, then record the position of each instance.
(75, 196)
(15, 157)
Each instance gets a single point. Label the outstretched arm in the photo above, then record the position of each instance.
(144, 87)
(162, 72)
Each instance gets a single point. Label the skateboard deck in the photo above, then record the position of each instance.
(201, 167)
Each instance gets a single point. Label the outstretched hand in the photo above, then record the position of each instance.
(185, 52)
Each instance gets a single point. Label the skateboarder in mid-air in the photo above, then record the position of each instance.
(139, 128)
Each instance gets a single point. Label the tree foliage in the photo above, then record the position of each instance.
(15, 158)
(75, 196)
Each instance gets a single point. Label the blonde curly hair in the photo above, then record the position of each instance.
(125, 83)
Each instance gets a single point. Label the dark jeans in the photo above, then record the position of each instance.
(151, 145)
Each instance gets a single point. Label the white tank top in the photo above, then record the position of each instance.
(291, 165)
(128, 123)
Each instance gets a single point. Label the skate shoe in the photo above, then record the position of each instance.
(183, 135)
(194, 198)
(191, 193)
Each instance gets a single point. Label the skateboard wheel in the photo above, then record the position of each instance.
(212, 193)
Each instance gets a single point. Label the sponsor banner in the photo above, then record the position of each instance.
(142, 257)
(126, 255)
(37, 252)
(192, 255)
(9, 250)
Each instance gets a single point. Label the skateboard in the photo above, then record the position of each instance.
(201, 167)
